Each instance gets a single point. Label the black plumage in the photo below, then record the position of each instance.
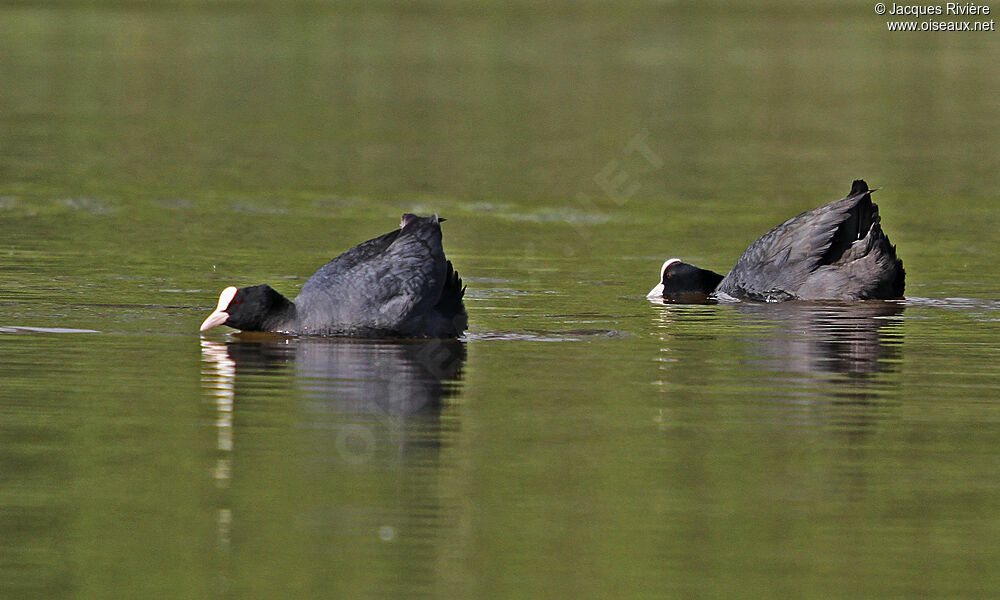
(397, 285)
(835, 252)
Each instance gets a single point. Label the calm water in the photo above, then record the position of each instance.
(580, 441)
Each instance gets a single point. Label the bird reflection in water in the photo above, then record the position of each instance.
(828, 360)
(835, 365)
(848, 339)
(380, 380)
(366, 400)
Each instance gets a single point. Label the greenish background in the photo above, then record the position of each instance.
(581, 441)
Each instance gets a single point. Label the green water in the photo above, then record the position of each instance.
(581, 441)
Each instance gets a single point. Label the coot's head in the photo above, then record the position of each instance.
(679, 279)
(254, 308)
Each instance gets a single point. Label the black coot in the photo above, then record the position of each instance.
(397, 285)
(834, 252)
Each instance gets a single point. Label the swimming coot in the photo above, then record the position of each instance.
(834, 252)
(397, 285)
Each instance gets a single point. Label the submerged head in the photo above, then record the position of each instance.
(254, 308)
(681, 279)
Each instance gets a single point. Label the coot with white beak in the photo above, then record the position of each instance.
(835, 252)
(397, 285)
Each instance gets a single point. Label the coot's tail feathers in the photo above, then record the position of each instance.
(450, 306)
(859, 217)
(409, 218)
(452, 293)
(860, 186)
(893, 281)
(861, 252)
(899, 283)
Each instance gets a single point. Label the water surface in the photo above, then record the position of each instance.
(580, 440)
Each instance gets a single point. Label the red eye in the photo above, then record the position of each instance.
(669, 275)
(237, 302)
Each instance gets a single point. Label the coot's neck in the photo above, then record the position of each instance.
(281, 314)
(271, 311)
(710, 280)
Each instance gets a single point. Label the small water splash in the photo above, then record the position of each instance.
(955, 303)
(573, 335)
(15, 329)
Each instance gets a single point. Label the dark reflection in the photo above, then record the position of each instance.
(354, 376)
(834, 369)
(684, 299)
(313, 418)
(366, 398)
(850, 339)
(832, 360)
(791, 362)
